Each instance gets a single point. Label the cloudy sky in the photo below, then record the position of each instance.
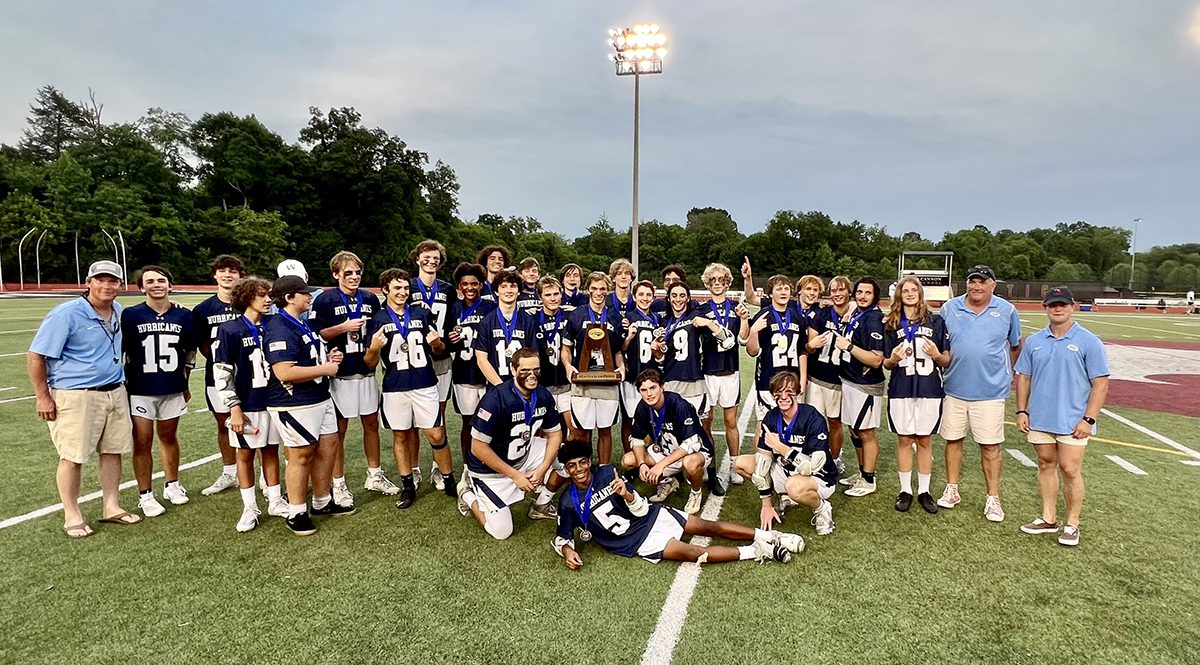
(919, 116)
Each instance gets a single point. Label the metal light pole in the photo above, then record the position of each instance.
(639, 50)
(1133, 251)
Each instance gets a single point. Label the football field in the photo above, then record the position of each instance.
(426, 585)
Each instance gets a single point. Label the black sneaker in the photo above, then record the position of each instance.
(904, 502)
(407, 497)
(927, 503)
(715, 486)
(333, 508)
(450, 483)
(301, 525)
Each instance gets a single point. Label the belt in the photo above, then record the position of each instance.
(108, 387)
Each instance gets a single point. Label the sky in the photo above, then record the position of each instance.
(926, 116)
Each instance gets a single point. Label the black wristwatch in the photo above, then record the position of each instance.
(1090, 421)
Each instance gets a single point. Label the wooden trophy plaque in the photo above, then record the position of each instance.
(595, 360)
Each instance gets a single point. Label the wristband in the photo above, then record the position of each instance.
(1020, 411)
(1090, 421)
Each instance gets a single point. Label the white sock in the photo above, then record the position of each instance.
(229, 470)
(321, 501)
(469, 497)
(295, 509)
(544, 495)
(951, 485)
(340, 481)
(273, 492)
(765, 536)
(745, 552)
(248, 499)
(905, 481)
(923, 483)
(374, 470)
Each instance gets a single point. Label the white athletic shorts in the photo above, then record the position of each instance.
(827, 401)
(779, 478)
(259, 432)
(497, 491)
(668, 526)
(354, 396)
(444, 384)
(562, 397)
(157, 407)
(411, 408)
(629, 398)
(860, 410)
(916, 416)
(303, 425)
(985, 418)
(658, 454)
(214, 402)
(466, 398)
(724, 391)
(590, 413)
(700, 402)
(764, 403)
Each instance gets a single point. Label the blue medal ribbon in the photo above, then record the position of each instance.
(529, 405)
(507, 326)
(850, 327)
(785, 324)
(428, 295)
(402, 329)
(910, 333)
(658, 422)
(584, 508)
(467, 314)
(722, 319)
(622, 306)
(358, 300)
(593, 316)
(557, 322)
(305, 331)
(255, 331)
(786, 432)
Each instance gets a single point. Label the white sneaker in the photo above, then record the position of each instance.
(222, 483)
(860, 488)
(416, 474)
(439, 483)
(342, 495)
(849, 481)
(248, 520)
(693, 503)
(785, 502)
(735, 478)
(278, 507)
(176, 494)
(950, 497)
(792, 541)
(770, 551)
(841, 466)
(665, 488)
(380, 483)
(464, 484)
(150, 506)
(822, 518)
(992, 509)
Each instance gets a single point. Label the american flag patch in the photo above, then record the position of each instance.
(483, 414)
(277, 346)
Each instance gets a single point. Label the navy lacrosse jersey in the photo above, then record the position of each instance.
(156, 349)
(507, 423)
(529, 300)
(779, 343)
(465, 369)
(807, 432)
(500, 336)
(675, 425)
(577, 324)
(825, 364)
(865, 329)
(627, 306)
(577, 299)
(917, 375)
(550, 331)
(606, 515)
(437, 300)
(290, 341)
(241, 350)
(682, 359)
(206, 316)
(714, 360)
(638, 356)
(406, 356)
(332, 307)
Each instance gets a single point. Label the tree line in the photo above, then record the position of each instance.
(181, 191)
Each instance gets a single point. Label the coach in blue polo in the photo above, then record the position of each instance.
(75, 366)
(1062, 381)
(986, 333)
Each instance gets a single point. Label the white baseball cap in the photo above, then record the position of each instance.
(292, 267)
(110, 268)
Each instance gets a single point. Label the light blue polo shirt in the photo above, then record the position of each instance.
(980, 363)
(1061, 371)
(79, 351)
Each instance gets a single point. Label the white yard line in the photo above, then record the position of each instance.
(661, 645)
(16, 399)
(8, 388)
(1125, 464)
(14, 332)
(1021, 457)
(1151, 433)
(1149, 330)
(13, 355)
(1190, 462)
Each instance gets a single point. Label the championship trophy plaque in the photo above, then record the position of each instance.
(595, 358)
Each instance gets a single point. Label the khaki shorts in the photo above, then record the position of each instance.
(91, 421)
(1043, 438)
(985, 418)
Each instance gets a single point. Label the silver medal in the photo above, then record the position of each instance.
(457, 330)
(585, 535)
(525, 436)
(508, 353)
(660, 333)
(404, 347)
(354, 336)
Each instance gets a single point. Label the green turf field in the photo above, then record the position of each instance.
(427, 585)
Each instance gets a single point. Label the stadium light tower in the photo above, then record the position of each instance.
(638, 50)
(1133, 251)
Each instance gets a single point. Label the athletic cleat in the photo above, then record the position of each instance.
(950, 497)
(1069, 536)
(380, 483)
(249, 519)
(904, 502)
(735, 478)
(925, 500)
(301, 525)
(416, 476)
(784, 503)
(150, 506)
(464, 486)
(665, 488)
(791, 541)
(222, 483)
(992, 509)
(542, 511)
(849, 481)
(407, 497)
(841, 466)
(693, 503)
(766, 551)
(439, 483)
(860, 488)
(1039, 525)
(333, 508)
(277, 507)
(176, 494)
(715, 486)
(342, 495)
(822, 518)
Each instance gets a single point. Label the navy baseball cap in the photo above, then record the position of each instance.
(1058, 294)
(289, 284)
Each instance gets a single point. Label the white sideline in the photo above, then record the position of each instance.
(1190, 462)
(1021, 457)
(1151, 433)
(34, 514)
(1125, 464)
(661, 645)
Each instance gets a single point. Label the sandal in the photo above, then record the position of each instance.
(125, 518)
(76, 531)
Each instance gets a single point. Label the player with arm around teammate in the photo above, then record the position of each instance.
(436, 296)
(466, 314)
(824, 391)
(862, 379)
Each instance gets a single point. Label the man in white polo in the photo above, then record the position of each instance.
(986, 333)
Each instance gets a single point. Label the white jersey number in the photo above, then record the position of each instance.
(160, 354)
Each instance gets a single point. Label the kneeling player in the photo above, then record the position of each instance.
(603, 507)
(793, 458)
(507, 458)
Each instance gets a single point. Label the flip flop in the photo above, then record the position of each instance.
(125, 518)
(76, 531)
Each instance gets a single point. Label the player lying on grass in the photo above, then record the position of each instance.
(603, 508)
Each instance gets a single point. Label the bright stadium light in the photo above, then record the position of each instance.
(637, 50)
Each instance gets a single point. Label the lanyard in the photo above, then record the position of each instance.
(529, 405)
(111, 327)
(254, 331)
(428, 295)
(357, 311)
(467, 314)
(557, 322)
(658, 423)
(507, 326)
(910, 333)
(786, 433)
(785, 324)
(722, 319)
(584, 508)
(402, 329)
(305, 331)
